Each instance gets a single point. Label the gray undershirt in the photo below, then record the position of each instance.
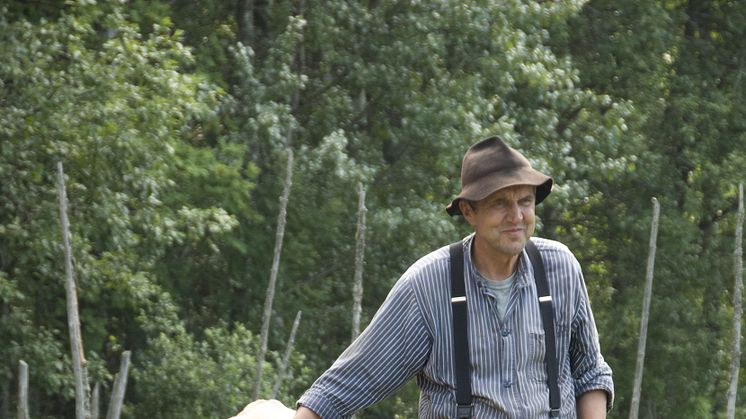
(501, 290)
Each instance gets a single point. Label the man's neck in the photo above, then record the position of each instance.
(491, 263)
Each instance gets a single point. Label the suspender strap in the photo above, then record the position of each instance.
(460, 332)
(547, 319)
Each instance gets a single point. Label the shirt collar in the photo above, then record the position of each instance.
(523, 272)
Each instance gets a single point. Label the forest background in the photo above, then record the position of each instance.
(173, 120)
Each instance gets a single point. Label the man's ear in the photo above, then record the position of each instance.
(466, 210)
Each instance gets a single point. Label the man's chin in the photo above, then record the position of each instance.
(514, 248)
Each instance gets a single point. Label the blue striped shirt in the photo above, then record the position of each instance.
(411, 335)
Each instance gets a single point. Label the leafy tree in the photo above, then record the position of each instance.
(680, 64)
(391, 94)
(182, 377)
(172, 119)
(122, 112)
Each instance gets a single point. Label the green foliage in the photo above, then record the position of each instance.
(173, 118)
(116, 110)
(680, 65)
(178, 376)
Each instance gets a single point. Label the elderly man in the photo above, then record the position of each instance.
(505, 368)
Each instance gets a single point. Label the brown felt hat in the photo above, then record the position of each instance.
(491, 165)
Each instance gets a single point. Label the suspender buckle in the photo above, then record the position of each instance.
(554, 413)
(464, 411)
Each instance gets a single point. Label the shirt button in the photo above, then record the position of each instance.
(505, 333)
(507, 384)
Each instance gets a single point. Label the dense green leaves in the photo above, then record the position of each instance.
(679, 63)
(172, 120)
(181, 377)
(116, 111)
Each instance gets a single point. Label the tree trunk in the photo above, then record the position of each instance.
(120, 385)
(82, 391)
(286, 357)
(281, 218)
(23, 390)
(245, 22)
(635, 406)
(357, 292)
(737, 309)
(300, 59)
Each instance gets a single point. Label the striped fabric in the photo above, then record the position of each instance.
(411, 335)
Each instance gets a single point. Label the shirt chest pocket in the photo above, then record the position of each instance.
(536, 352)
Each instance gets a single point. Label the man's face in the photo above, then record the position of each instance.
(504, 220)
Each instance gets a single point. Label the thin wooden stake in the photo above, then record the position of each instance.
(23, 390)
(357, 292)
(286, 357)
(635, 407)
(120, 385)
(737, 309)
(96, 400)
(82, 390)
(281, 219)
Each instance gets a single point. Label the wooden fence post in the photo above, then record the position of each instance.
(96, 400)
(23, 412)
(635, 407)
(73, 321)
(281, 219)
(737, 309)
(120, 385)
(359, 259)
(286, 357)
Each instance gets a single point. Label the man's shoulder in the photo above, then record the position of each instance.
(432, 268)
(435, 260)
(553, 251)
(550, 246)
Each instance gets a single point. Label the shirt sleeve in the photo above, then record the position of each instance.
(393, 348)
(589, 369)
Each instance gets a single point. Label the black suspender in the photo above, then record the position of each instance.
(547, 319)
(460, 330)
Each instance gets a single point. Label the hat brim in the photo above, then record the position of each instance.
(484, 189)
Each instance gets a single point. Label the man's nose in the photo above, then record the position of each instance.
(514, 212)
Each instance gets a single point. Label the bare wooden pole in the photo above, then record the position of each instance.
(82, 391)
(286, 357)
(96, 400)
(281, 219)
(635, 406)
(737, 309)
(5, 382)
(23, 390)
(120, 385)
(357, 292)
